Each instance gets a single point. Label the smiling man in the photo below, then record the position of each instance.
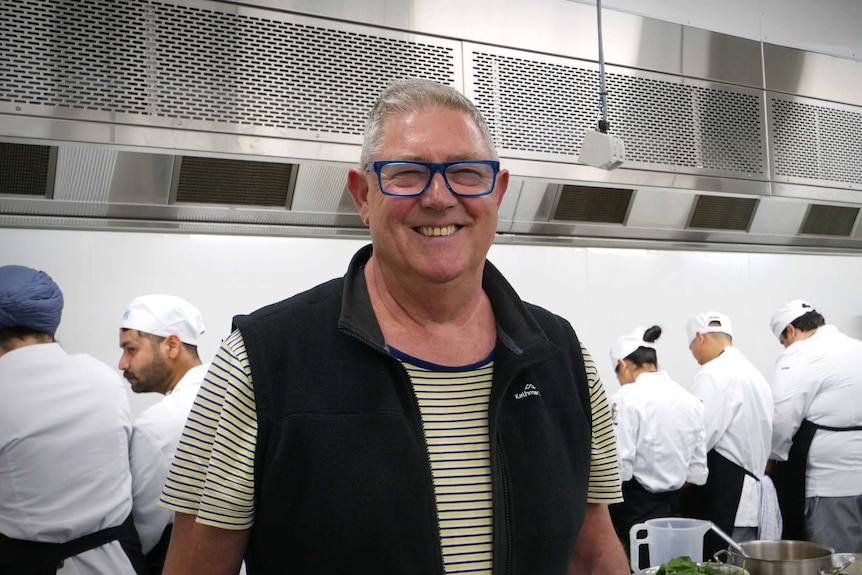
(414, 416)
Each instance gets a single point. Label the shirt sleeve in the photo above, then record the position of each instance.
(149, 469)
(604, 484)
(717, 405)
(697, 467)
(212, 474)
(626, 423)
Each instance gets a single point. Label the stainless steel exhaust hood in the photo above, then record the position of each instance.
(218, 117)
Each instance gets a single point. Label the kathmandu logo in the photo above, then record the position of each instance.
(529, 389)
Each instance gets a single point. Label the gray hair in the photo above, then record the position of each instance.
(410, 95)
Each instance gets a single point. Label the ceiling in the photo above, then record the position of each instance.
(214, 117)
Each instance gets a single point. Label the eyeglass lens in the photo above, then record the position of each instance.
(466, 178)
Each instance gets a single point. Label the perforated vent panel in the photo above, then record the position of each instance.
(829, 220)
(816, 142)
(172, 61)
(26, 169)
(591, 204)
(722, 213)
(238, 182)
(545, 107)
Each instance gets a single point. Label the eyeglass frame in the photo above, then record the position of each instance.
(433, 168)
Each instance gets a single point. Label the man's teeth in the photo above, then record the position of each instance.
(429, 231)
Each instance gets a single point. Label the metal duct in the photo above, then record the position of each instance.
(729, 141)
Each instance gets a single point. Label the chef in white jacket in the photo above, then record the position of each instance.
(737, 404)
(817, 429)
(159, 336)
(65, 424)
(659, 432)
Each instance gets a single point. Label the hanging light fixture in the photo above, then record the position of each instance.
(599, 148)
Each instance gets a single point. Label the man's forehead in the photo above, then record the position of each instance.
(128, 336)
(407, 139)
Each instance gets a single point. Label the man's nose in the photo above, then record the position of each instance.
(438, 192)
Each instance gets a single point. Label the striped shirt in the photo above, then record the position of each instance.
(212, 474)
(453, 404)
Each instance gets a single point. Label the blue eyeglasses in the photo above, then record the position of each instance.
(463, 178)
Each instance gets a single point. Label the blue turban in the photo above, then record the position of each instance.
(29, 298)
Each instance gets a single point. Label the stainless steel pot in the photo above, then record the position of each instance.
(715, 568)
(782, 558)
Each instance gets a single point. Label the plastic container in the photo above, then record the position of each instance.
(668, 537)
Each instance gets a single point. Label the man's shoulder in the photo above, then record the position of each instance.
(299, 302)
(163, 421)
(547, 318)
(176, 405)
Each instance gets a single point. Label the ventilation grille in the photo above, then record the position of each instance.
(26, 169)
(829, 220)
(161, 60)
(546, 107)
(595, 205)
(722, 213)
(817, 142)
(235, 182)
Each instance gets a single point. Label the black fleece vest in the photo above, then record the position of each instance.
(342, 476)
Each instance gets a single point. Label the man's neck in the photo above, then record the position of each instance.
(180, 372)
(446, 324)
(13, 343)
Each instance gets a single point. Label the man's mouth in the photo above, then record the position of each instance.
(431, 231)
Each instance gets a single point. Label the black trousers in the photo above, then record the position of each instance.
(639, 505)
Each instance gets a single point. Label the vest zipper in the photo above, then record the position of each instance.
(498, 469)
(430, 473)
(406, 378)
(506, 510)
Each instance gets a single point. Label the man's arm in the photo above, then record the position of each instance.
(598, 551)
(198, 549)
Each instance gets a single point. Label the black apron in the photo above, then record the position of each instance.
(157, 555)
(19, 557)
(639, 505)
(716, 501)
(789, 479)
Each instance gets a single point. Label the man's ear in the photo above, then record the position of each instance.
(173, 346)
(357, 185)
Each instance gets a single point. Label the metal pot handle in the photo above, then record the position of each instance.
(716, 556)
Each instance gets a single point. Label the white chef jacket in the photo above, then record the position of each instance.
(737, 406)
(660, 434)
(154, 442)
(820, 379)
(65, 425)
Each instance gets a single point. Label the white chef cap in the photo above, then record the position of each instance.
(164, 315)
(787, 313)
(701, 323)
(626, 344)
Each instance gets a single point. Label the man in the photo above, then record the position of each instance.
(159, 338)
(414, 416)
(65, 425)
(737, 410)
(817, 429)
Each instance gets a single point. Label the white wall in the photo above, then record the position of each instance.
(603, 292)
(824, 26)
